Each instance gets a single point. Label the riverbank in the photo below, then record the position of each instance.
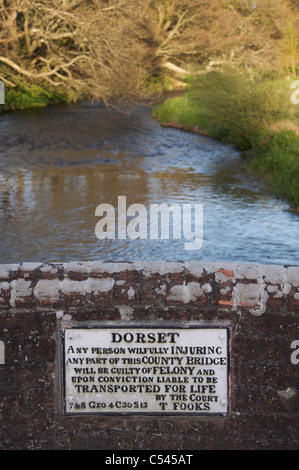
(256, 117)
(31, 96)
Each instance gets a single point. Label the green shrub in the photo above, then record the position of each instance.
(238, 110)
(27, 96)
(180, 110)
(278, 164)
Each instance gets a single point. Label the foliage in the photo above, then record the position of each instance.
(243, 112)
(290, 48)
(31, 96)
(236, 109)
(113, 49)
(230, 106)
(278, 164)
(178, 110)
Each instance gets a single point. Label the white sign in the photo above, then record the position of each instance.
(146, 370)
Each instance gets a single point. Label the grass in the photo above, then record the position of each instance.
(178, 110)
(256, 116)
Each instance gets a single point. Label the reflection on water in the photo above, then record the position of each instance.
(57, 165)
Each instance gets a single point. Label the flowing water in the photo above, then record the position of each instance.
(58, 164)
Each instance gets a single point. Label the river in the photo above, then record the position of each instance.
(58, 164)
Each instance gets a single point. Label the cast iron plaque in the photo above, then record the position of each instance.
(132, 369)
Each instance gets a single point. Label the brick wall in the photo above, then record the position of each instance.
(261, 304)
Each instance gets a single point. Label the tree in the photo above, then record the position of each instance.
(73, 45)
(111, 49)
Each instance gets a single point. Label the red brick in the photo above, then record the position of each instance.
(226, 272)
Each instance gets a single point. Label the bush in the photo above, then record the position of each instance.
(32, 96)
(278, 164)
(180, 110)
(238, 110)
